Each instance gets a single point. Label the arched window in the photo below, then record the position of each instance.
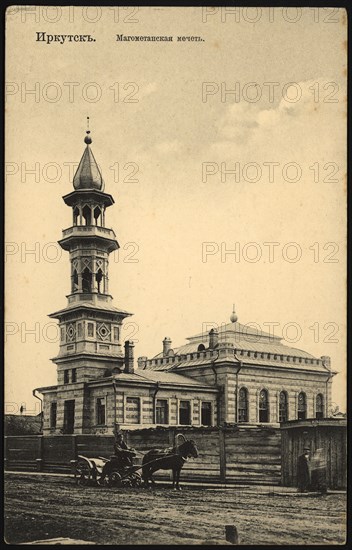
(87, 214)
(319, 406)
(86, 280)
(243, 405)
(75, 281)
(283, 408)
(75, 215)
(99, 278)
(302, 406)
(263, 406)
(201, 347)
(97, 214)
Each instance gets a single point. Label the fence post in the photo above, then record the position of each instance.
(74, 446)
(39, 460)
(172, 435)
(222, 451)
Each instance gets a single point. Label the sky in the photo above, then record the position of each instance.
(226, 157)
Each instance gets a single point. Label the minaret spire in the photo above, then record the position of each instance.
(88, 175)
(88, 139)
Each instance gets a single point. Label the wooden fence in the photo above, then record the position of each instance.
(327, 434)
(248, 454)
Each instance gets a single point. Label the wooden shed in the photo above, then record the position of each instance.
(329, 434)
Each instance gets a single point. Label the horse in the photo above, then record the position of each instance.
(168, 459)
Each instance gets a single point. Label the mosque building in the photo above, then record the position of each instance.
(230, 375)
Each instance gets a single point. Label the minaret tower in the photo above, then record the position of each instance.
(90, 326)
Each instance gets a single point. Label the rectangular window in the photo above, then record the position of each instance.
(101, 411)
(66, 376)
(161, 412)
(206, 413)
(74, 375)
(184, 413)
(90, 330)
(116, 334)
(133, 412)
(53, 409)
(62, 334)
(79, 330)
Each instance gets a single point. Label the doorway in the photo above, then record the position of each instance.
(69, 416)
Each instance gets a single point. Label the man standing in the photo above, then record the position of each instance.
(303, 471)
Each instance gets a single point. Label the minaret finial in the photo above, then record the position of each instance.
(88, 139)
(233, 317)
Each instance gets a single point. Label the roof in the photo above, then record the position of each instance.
(236, 329)
(260, 347)
(168, 378)
(148, 377)
(144, 375)
(88, 175)
(314, 423)
(237, 342)
(251, 341)
(265, 363)
(90, 305)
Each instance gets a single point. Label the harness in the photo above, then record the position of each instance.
(177, 451)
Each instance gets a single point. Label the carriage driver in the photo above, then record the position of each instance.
(122, 458)
(123, 454)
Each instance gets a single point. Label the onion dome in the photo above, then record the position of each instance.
(88, 175)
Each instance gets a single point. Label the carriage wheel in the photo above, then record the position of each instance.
(82, 474)
(127, 482)
(136, 480)
(115, 479)
(82, 480)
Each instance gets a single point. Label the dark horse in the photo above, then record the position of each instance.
(168, 459)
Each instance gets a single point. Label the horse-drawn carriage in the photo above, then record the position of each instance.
(121, 472)
(104, 471)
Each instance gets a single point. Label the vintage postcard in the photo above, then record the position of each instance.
(175, 262)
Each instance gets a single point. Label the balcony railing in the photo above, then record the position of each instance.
(89, 230)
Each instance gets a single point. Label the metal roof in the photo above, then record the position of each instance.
(243, 338)
(262, 346)
(141, 375)
(90, 305)
(236, 328)
(88, 175)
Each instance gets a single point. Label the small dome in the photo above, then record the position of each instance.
(233, 317)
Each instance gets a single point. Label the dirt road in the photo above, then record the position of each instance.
(43, 507)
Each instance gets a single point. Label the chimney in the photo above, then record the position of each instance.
(213, 338)
(142, 362)
(326, 360)
(129, 358)
(166, 346)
